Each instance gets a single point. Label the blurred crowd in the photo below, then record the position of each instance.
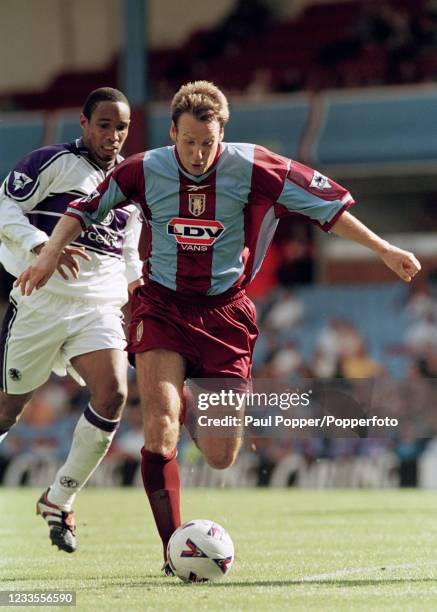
(332, 44)
(395, 45)
(338, 44)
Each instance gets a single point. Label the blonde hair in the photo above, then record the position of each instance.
(202, 99)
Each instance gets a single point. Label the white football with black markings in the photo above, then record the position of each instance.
(200, 550)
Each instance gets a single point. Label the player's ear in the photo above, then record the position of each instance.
(173, 131)
(221, 133)
(82, 120)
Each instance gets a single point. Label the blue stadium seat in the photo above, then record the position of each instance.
(365, 127)
(67, 127)
(159, 125)
(17, 138)
(375, 310)
(277, 125)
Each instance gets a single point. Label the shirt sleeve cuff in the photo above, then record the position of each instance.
(30, 242)
(79, 218)
(133, 272)
(329, 224)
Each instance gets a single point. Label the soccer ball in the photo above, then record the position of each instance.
(200, 550)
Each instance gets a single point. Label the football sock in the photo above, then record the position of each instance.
(3, 434)
(162, 484)
(91, 439)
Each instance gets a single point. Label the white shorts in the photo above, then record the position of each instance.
(42, 332)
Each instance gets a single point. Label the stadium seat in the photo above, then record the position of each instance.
(159, 125)
(18, 136)
(282, 132)
(67, 127)
(362, 306)
(380, 127)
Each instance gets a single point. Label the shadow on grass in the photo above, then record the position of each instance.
(275, 583)
(150, 581)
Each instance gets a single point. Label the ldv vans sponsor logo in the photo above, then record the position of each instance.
(200, 232)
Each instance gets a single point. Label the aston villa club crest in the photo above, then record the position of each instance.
(196, 203)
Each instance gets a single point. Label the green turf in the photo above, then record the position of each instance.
(295, 550)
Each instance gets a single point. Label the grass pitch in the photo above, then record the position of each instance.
(295, 550)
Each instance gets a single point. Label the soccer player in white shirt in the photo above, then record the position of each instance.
(75, 322)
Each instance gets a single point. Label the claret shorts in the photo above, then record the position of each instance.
(216, 334)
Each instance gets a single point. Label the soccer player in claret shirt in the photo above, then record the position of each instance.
(73, 324)
(211, 209)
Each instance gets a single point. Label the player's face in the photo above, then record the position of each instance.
(196, 142)
(105, 131)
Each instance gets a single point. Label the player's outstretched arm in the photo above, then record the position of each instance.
(53, 255)
(403, 263)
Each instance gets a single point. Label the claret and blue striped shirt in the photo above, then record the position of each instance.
(210, 233)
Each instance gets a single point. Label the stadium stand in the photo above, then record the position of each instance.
(352, 44)
(383, 126)
(19, 134)
(66, 126)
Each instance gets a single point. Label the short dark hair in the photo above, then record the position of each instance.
(102, 94)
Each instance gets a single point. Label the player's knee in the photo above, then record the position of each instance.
(109, 401)
(11, 407)
(221, 459)
(7, 421)
(161, 432)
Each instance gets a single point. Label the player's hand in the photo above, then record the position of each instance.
(403, 263)
(37, 275)
(134, 284)
(68, 260)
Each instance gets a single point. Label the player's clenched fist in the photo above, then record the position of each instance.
(402, 262)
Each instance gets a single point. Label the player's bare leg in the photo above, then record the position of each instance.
(219, 451)
(160, 375)
(104, 372)
(11, 407)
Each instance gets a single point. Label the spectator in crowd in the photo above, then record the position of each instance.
(359, 364)
(337, 341)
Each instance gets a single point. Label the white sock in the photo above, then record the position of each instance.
(91, 441)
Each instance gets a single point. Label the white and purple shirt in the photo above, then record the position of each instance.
(35, 195)
(207, 234)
